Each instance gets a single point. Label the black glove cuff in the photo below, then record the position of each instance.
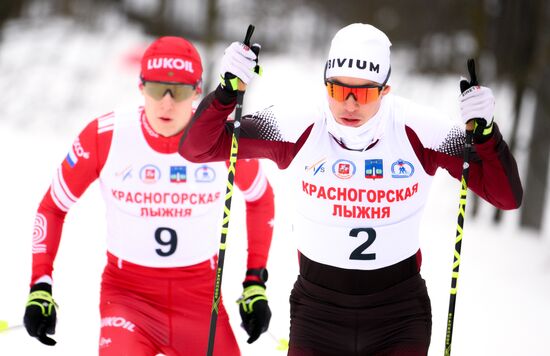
(482, 138)
(46, 287)
(253, 283)
(479, 137)
(225, 96)
(258, 275)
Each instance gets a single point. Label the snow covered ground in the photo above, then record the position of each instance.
(57, 76)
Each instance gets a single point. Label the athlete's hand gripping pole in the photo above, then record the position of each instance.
(229, 193)
(254, 308)
(40, 313)
(464, 86)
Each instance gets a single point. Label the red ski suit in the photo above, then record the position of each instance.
(157, 289)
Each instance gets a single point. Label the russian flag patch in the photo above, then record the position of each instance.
(71, 158)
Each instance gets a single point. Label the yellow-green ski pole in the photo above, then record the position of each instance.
(227, 208)
(461, 216)
(5, 326)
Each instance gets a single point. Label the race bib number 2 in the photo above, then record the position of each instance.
(360, 252)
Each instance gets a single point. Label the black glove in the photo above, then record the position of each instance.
(40, 315)
(254, 310)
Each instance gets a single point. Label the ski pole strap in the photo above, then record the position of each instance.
(250, 296)
(44, 296)
(483, 130)
(230, 82)
(256, 49)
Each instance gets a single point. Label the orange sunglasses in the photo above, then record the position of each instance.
(363, 94)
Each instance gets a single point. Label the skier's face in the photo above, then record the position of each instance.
(350, 112)
(167, 116)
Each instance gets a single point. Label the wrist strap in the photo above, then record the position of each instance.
(250, 296)
(231, 84)
(253, 291)
(44, 296)
(40, 294)
(485, 130)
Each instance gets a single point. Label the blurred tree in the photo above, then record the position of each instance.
(10, 9)
(441, 43)
(209, 39)
(153, 19)
(517, 42)
(536, 181)
(64, 8)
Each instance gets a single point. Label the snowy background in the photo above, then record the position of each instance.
(55, 77)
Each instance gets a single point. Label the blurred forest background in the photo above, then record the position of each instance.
(510, 40)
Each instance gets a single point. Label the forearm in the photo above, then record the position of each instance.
(259, 222)
(493, 171)
(206, 138)
(68, 184)
(47, 230)
(495, 177)
(209, 135)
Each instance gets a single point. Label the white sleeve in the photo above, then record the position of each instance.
(284, 121)
(433, 128)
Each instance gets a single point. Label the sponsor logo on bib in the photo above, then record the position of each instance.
(402, 169)
(343, 169)
(149, 174)
(178, 174)
(317, 167)
(205, 174)
(374, 168)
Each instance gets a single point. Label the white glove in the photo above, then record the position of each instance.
(477, 102)
(239, 60)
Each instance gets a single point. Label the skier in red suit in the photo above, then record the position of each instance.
(163, 222)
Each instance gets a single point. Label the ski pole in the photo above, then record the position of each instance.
(5, 326)
(227, 208)
(282, 343)
(461, 216)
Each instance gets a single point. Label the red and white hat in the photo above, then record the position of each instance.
(171, 60)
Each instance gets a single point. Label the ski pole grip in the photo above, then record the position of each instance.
(247, 38)
(248, 35)
(472, 71)
(470, 125)
(256, 47)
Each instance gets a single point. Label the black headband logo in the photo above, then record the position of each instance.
(351, 63)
